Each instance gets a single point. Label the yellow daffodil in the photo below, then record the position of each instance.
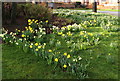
(33, 19)
(56, 59)
(85, 36)
(23, 35)
(59, 33)
(81, 33)
(90, 34)
(31, 46)
(65, 54)
(63, 35)
(46, 21)
(65, 66)
(39, 47)
(18, 30)
(36, 44)
(69, 34)
(36, 49)
(29, 20)
(68, 56)
(49, 50)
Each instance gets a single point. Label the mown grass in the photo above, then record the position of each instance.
(114, 10)
(103, 65)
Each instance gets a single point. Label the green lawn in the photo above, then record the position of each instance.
(104, 61)
(110, 10)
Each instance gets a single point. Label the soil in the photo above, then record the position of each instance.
(21, 22)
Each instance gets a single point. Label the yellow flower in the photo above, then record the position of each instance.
(69, 34)
(36, 21)
(56, 59)
(49, 50)
(65, 54)
(29, 20)
(64, 66)
(23, 35)
(59, 33)
(46, 21)
(90, 34)
(81, 33)
(36, 49)
(63, 35)
(85, 36)
(30, 46)
(18, 30)
(68, 56)
(36, 44)
(33, 19)
(39, 47)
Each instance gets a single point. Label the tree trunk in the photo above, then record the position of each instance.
(13, 13)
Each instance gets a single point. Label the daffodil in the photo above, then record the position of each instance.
(56, 59)
(59, 33)
(39, 47)
(36, 44)
(29, 20)
(49, 50)
(46, 21)
(90, 34)
(23, 35)
(36, 49)
(31, 46)
(63, 35)
(81, 33)
(68, 56)
(65, 54)
(65, 66)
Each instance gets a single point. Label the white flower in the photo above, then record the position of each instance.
(20, 39)
(25, 44)
(79, 58)
(31, 43)
(11, 33)
(73, 59)
(16, 43)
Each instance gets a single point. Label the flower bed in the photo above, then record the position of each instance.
(62, 47)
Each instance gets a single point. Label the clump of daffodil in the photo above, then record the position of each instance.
(69, 34)
(36, 49)
(36, 44)
(31, 46)
(65, 66)
(49, 50)
(68, 56)
(56, 59)
(65, 54)
(23, 35)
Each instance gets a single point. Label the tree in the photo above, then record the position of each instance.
(13, 13)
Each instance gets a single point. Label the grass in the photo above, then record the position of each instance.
(20, 65)
(114, 10)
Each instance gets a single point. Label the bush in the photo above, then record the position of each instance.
(35, 11)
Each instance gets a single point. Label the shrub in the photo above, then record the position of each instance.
(37, 11)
